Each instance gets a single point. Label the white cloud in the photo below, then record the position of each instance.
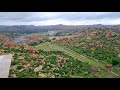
(53, 18)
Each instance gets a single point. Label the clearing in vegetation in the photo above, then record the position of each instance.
(75, 55)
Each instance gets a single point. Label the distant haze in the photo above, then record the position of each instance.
(53, 18)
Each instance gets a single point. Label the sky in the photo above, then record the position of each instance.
(54, 18)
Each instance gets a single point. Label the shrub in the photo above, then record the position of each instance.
(115, 62)
(15, 62)
(19, 67)
(22, 75)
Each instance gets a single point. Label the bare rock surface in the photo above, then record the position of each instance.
(5, 62)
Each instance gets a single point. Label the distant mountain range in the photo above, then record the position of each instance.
(35, 29)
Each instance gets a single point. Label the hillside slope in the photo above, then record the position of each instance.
(103, 45)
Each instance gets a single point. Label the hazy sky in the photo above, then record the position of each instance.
(53, 18)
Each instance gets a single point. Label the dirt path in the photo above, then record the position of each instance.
(115, 74)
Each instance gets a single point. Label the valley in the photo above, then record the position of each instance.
(54, 47)
(63, 51)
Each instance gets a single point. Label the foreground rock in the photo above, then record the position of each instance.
(5, 62)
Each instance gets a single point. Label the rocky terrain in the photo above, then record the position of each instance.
(83, 52)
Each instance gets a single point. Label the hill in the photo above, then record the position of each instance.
(102, 45)
(90, 52)
(28, 29)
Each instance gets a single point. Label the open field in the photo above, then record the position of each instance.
(75, 55)
(55, 47)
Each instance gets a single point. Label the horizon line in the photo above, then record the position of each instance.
(56, 24)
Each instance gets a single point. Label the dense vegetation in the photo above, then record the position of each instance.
(50, 64)
(99, 44)
(102, 45)
(35, 43)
